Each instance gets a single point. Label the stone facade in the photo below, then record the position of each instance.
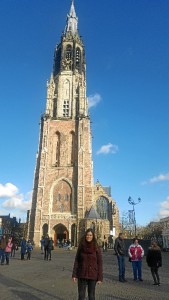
(103, 199)
(63, 183)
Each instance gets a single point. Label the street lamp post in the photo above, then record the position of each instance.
(132, 202)
(112, 229)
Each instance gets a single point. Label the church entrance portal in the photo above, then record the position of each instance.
(61, 234)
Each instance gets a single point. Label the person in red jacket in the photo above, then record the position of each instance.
(136, 253)
(88, 265)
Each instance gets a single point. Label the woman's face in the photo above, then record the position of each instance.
(89, 236)
(136, 242)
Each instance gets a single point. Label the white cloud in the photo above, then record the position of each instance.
(161, 177)
(8, 190)
(164, 208)
(109, 148)
(93, 100)
(156, 179)
(12, 201)
(17, 203)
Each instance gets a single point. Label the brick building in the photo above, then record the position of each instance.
(63, 192)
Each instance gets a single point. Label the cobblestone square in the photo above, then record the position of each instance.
(38, 279)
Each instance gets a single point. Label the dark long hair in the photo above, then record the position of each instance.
(154, 245)
(83, 239)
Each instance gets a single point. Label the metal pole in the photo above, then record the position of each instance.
(135, 229)
(132, 202)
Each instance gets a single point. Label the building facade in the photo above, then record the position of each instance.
(63, 192)
(165, 232)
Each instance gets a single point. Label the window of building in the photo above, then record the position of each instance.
(78, 57)
(66, 108)
(68, 52)
(72, 148)
(102, 205)
(57, 149)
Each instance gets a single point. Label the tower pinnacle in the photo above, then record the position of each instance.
(72, 20)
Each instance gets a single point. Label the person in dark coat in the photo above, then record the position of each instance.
(88, 266)
(50, 248)
(3, 244)
(14, 245)
(46, 245)
(154, 261)
(23, 248)
(119, 248)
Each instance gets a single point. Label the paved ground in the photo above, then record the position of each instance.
(48, 280)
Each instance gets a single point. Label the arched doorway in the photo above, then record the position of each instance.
(61, 233)
(45, 229)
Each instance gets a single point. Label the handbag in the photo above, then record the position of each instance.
(159, 264)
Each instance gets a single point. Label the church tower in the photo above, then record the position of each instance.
(63, 178)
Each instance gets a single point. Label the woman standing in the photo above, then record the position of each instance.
(8, 250)
(154, 261)
(88, 266)
(136, 253)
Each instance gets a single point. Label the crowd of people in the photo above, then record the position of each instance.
(8, 247)
(88, 269)
(88, 265)
(135, 254)
(47, 245)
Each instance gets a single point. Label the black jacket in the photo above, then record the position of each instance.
(119, 247)
(154, 258)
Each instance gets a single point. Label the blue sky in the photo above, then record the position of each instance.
(127, 46)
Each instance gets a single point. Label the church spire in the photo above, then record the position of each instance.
(72, 20)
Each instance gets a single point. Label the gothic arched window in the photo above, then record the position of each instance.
(68, 58)
(102, 206)
(78, 57)
(68, 52)
(72, 147)
(66, 97)
(57, 149)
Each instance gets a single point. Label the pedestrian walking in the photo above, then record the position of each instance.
(14, 248)
(50, 248)
(29, 249)
(23, 248)
(2, 249)
(104, 245)
(136, 253)
(88, 266)
(8, 250)
(154, 261)
(42, 243)
(119, 248)
(46, 244)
